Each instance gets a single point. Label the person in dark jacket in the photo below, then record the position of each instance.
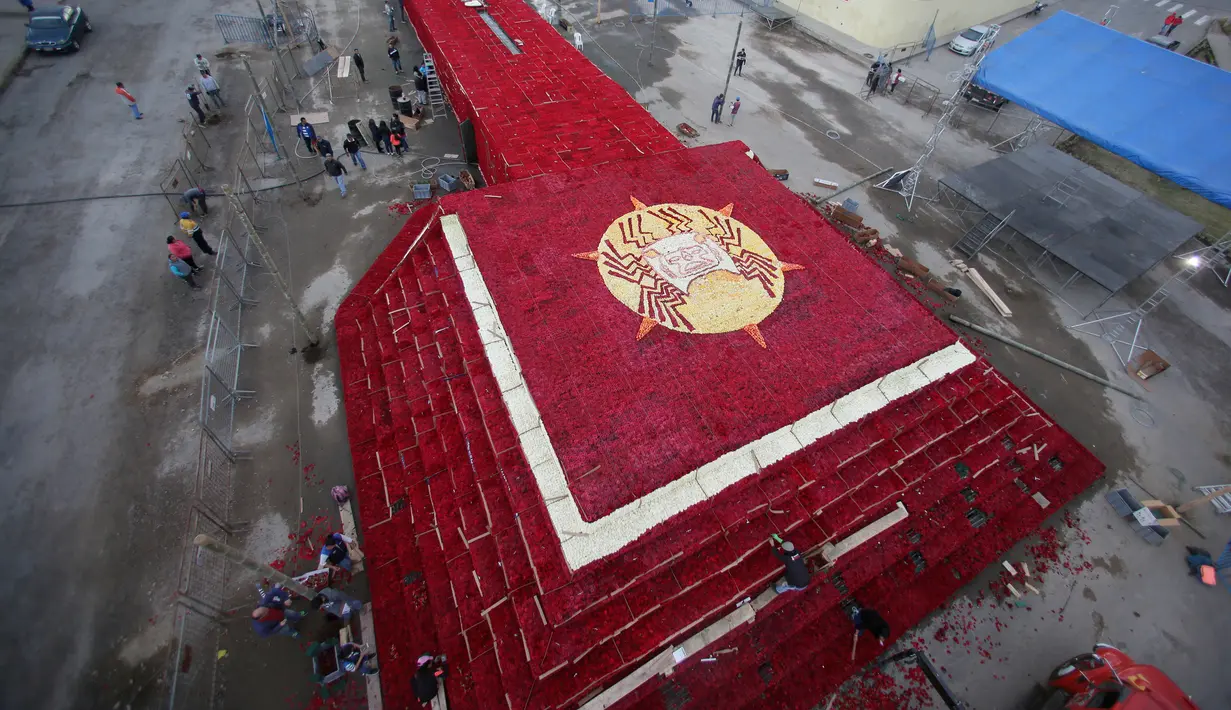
(308, 134)
(374, 130)
(396, 57)
(420, 87)
(740, 58)
(336, 171)
(194, 101)
(274, 616)
(716, 108)
(357, 60)
(797, 575)
(194, 197)
(324, 147)
(869, 620)
(351, 146)
(385, 134)
(426, 678)
(399, 134)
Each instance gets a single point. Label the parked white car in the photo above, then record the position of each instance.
(968, 41)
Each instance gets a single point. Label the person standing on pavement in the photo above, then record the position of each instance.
(357, 60)
(398, 128)
(212, 90)
(396, 57)
(420, 87)
(716, 108)
(385, 137)
(201, 63)
(194, 197)
(374, 130)
(194, 100)
(739, 62)
(797, 575)
(324, 147)
(897, 79)
(183, 271)
(734, 109)
(193, 229)
(274, 616)
(132, 103)
(389, 13)
(307, 133)
(351, 146)
(183, 252)
(336, 171)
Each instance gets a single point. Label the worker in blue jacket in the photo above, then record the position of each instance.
(274, 616)
(308, 134)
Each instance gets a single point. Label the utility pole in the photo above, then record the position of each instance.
(239, 558)
(653, 36)
(734, 50)
(314, 337)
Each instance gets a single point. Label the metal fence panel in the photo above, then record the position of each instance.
(193, 664)
(695, 8)
(236, 28)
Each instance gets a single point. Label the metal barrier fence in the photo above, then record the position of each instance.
(192, 680)
(695, 8)
(290, 24)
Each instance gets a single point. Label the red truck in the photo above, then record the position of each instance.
(1108, 679)
(1104, 679)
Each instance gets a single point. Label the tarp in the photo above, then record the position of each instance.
(1163, 111)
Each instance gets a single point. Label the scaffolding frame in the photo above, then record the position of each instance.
(906, 182)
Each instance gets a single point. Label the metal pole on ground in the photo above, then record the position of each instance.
(653, 36)
(734, 50)
(208, 543)
(314, 337)
(1045, 357)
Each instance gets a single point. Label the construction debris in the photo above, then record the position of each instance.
(1013, 591)
(1011, 568)
(686, 130)
(828, 184)
(1032, 588)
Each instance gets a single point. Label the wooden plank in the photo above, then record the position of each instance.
(869, 531)
(1204, 499)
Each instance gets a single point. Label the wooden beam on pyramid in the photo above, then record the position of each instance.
(867, 532)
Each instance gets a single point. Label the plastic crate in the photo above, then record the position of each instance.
(850, 206)
(422, 191)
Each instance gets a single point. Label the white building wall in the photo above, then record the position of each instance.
(886, 23)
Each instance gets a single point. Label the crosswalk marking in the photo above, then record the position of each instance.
(1176, 7)
(1204, 19)
(1160, 3)
(1189, 14)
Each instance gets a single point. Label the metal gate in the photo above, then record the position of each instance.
(236, 28)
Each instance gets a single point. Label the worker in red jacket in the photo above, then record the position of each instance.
(132, 103)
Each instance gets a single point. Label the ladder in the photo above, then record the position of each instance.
(981, 234)
(1221, 503)
(1192, 267)
(435, 95)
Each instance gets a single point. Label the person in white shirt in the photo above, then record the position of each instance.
(210, 85)
(201, 62)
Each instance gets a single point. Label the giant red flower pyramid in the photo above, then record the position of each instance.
(580, 403)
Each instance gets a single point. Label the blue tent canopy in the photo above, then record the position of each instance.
(1163, 111)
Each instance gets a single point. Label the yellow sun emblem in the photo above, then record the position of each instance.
(690, 269)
